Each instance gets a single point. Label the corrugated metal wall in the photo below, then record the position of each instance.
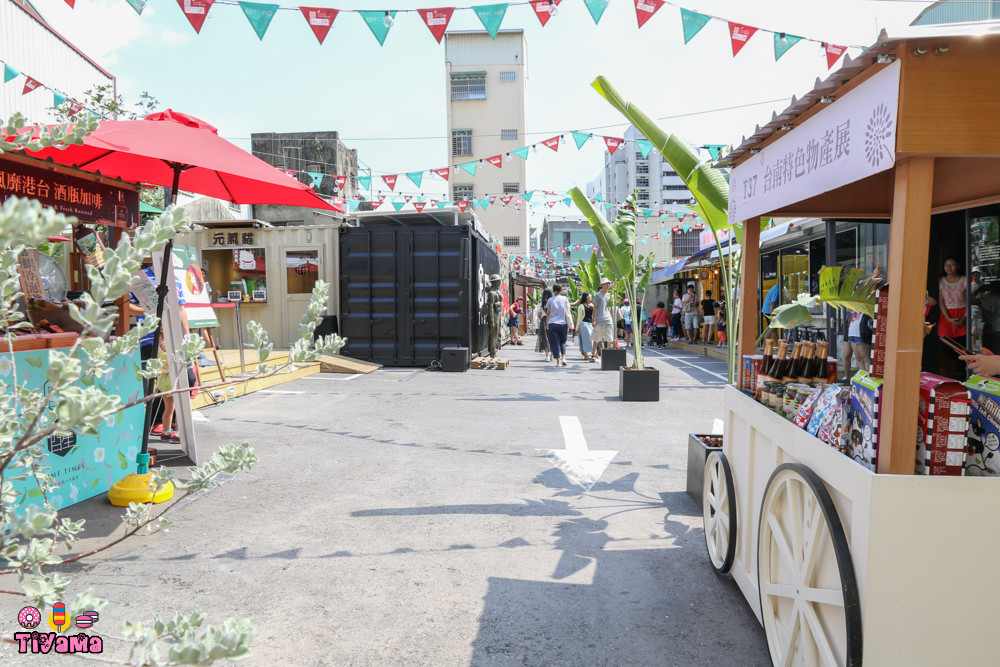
(466, 49)
(29, 47)
(959, 12)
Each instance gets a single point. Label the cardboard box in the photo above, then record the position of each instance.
(942, 422)
(863, 418)
(983, 440)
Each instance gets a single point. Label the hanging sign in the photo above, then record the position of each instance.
(29, 275)
(613, 143)
(443, 173)
(437, 20)
(30, 84)
(496, 161)
(390, 180)
(644, 10)
(320, 20)
(740, 34)
(544, 9)
(552, 143)
(196, 11)
(851, 139)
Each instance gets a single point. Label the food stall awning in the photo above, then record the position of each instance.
(664, 274)
(766, 235)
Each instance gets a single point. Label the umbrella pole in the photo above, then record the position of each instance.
(134, 488)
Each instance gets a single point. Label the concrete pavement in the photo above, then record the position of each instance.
(414, 517)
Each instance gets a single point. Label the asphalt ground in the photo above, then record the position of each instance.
(416, 517)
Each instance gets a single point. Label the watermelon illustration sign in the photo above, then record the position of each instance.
(188, 272)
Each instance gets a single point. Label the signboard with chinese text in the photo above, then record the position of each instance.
(29, 275)
(238, 237)
(851, 139)
(707, 238)
(99, 203)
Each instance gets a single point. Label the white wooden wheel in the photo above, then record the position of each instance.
(718, 506)
(809, 600)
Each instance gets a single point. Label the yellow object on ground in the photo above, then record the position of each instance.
(135, 489)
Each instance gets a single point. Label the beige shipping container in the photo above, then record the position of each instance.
(273, 268)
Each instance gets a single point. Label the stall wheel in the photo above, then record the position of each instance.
(809, 600)
(718, 505)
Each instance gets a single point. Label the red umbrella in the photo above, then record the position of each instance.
(177, 150)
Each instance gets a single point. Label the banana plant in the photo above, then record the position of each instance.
(708, 184)
(617, 244)
(853, 290)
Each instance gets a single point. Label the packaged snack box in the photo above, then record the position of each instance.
(983, 438)
(942, 421)
(862, 418)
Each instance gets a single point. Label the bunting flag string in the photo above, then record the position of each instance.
(320, 20)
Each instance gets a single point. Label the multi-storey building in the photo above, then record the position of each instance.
(487, 87)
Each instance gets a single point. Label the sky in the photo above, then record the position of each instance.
(389, 102)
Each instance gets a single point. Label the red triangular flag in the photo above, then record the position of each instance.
(644, 10)
(30, 84)
(437, 20)
(552, 143)
(419, 205)
(74, 108)
(506, 200)
(543, 9)
(341, 181)
(339, 203)
(443, 173)
(71, 3)
(833, 53)
(407, 198)
(613, 143)
(551, 204)
(390, 180)
(462, 205)
(290, 172)
(196, 11)
(496, 161)
(740, 34)
(320, 19)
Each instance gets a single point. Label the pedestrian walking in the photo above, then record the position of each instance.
(660, 320)
(604, 326)
(677, 326)
(513, 321)
(627, 322)
(558, 324)
(689, 312)
(708, 306)
(585, 326)
(542, 316)
(720, 324)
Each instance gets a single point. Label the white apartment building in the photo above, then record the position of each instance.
(31, 46)
(487, 89)
(657, 187)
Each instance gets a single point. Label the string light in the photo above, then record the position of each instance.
(388, 21)
(553, 8)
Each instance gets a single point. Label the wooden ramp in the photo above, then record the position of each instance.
(338, 363)
(231, 368)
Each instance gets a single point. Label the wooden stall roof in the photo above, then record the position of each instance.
(949, 87)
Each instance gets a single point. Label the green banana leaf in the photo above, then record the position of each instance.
(573, 289)
(708, 184)
(594, 273)
(790, 316)
(616, 252)
(852, 291)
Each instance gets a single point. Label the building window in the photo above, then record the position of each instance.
(686, 243)
(462, 191)
(512, 241)
(461, 142)
(511, 188)
(508, 135)
(638, 155)
(642, 168)
(643, 196)
(642, 182)
(301, 270)
(567, 238)
(468, 86)
(675, 187)
(667, 202)
(669, 174)
(508, 76)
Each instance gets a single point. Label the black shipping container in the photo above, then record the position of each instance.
(407, 292)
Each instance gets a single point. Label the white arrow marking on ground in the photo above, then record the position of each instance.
(582, 465)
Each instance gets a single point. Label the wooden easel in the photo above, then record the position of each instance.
(206, 333)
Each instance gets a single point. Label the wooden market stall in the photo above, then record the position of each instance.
(842, 563)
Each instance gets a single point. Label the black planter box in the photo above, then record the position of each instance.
(612, 359)
(635, 385)
(698, 453)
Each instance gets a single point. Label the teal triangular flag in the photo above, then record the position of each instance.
(442, 204)
(527, 195)
(608, 205)
(782, 43)
(57, 98)
(644, 146)
(491, 17)
(365, 181)
(714, 150)
(483, 203)
(9, 73)
(470, 166)
(693, 22)
(645, 240)
(686, 228)
(259, 15)
(137, 5)
(598, 197)
(596, 9)
(567, 201)
(317, 178)
(580, 138)
(646, 212)
(377, 24)
(521, 152)
(353, 204)
(398, 205)
(416, 177)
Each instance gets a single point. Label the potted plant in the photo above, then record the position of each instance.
(617, 243)
(700, 445)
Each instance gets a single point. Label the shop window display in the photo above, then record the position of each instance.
(301, 270)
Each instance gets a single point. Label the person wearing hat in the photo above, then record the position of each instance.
(604, 325)
(626, 311)
(514, 313)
